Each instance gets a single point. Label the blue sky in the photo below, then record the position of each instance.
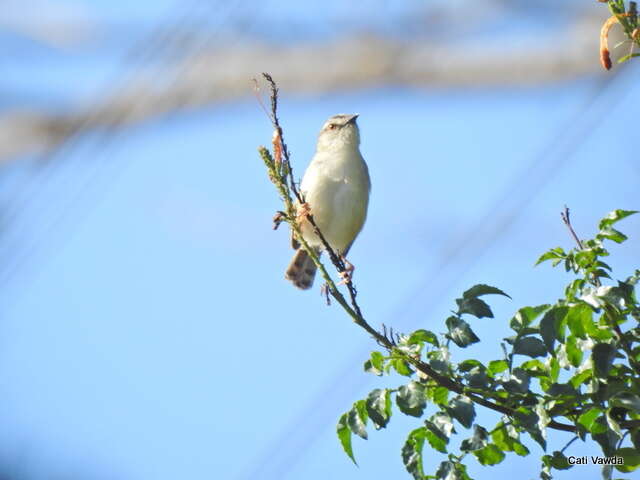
(149, 333)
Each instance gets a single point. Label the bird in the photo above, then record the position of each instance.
(335, 189)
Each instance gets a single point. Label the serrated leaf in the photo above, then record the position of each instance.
(412, 453)
(411, 399)
(460, 332)
(477, 441)
(423, 336)
(552, 326)
(525, 316)
(449, 470)
(375, 364)
(489, 455)
(630, 458)
(529, 346)
(378, 404)
(436, 438)
(474, 306)
(357, 419)
(554, 254)
(507, 438)
(481, 289)
(603, 355)
(615, 216)
(477, 377)
(344, 435)
(518, 381)
(461, 408)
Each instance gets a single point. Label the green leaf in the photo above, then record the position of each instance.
(603, 355)
(477, 377)
(411, 399)
(357, 419)
(477, 441)
(439, 429)
(525, 316)
(518, 381)
(489, 455)
(412, 453)
(574, 353)
(423, 336)
(556, 254)
(579, 319)
(611, 234)
(481, 289)
(626, 400)
(402, 367)
(561, 389)
(379, 407)
(375, 364)
(614, 216)
(580, 378)
(461, 408)
(344, 435)
(630, 457)
(552, 326)
(474, 306)
(588, 418)
(438, 395)
(559, 461)
(529, 346)
(606, 437)
(435, 437)
(449, 470)
(507, 438)
(460, 332)
(497, 366)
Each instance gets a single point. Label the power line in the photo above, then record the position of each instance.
(75, 142)
(286, 450)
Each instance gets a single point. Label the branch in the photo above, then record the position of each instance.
(281, 174)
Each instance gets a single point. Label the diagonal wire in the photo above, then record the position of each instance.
(28, 248)
(287, 449)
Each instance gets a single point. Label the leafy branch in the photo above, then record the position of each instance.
(600, 400)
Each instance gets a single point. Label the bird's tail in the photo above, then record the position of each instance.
(301, 270)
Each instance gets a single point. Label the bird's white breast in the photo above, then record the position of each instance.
(336, 187)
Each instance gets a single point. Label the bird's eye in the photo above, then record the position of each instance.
(331, 126)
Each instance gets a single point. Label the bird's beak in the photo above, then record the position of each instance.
(352, 118)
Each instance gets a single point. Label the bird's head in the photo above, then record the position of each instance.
(339, 131)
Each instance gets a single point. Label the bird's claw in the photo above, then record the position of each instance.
(347, 273)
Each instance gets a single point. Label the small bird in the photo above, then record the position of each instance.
(335, 188)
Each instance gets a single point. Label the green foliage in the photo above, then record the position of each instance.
(627, 16)
(572, 365)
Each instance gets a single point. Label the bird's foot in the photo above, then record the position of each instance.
(347, 273)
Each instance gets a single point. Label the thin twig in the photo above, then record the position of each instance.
(567, 221)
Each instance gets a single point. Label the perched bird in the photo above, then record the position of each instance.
(335, 188)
